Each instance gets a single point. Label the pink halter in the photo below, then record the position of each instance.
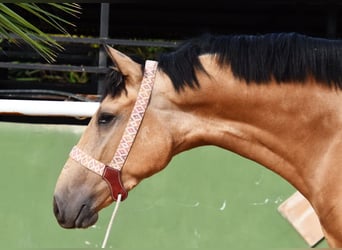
(111, 172)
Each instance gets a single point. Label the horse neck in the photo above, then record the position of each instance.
(276, 125)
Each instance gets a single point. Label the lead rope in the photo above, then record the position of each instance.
(110, 224)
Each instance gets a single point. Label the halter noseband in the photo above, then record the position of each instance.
(111, 172)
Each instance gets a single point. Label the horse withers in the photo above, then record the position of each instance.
(275, 99)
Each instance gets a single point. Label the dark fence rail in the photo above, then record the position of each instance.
(22, 58)
(81, 55)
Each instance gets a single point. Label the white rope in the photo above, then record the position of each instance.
(111, 221)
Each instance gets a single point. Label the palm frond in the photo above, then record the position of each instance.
(12, 23)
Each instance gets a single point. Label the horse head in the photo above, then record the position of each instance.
(80, 194)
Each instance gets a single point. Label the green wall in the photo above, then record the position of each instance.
(206, 198)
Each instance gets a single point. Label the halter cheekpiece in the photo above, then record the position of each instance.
(111, 172)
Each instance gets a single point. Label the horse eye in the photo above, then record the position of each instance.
(105, 118)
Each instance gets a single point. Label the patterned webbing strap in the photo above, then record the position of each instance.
(136, 117)
(127, 139)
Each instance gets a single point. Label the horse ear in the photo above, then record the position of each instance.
(124, 63)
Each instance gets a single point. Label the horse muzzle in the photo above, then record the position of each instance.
(77, 215)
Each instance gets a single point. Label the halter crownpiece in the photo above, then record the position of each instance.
(111, 172)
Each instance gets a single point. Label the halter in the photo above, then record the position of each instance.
(111, 172)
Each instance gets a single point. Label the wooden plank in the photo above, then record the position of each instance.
(298, 211)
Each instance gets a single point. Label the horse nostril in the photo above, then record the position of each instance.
(56, 210)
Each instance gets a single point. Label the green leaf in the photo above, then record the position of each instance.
(11, 22)
(8, 25)
(44, 15)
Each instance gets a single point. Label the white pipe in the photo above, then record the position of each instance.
(48, 108)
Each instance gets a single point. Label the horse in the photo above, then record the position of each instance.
(273, 98)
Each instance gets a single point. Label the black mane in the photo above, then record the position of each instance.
(284, 57)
